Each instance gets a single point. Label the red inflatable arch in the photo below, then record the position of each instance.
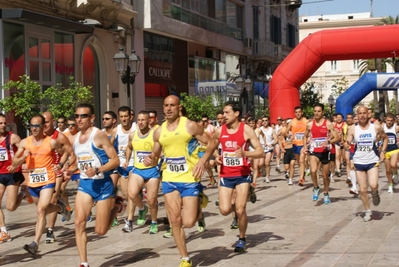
(309, 55)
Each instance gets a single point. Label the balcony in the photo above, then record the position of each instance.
(283, 51)
(264, 49)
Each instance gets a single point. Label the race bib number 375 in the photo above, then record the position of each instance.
(176, 165)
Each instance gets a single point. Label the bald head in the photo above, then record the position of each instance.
(171, 108)
(48, 115)
(362, 108)
(172, 99)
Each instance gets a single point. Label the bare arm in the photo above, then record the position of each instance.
(20, 155)
(380, 130)
(334, 138)
(249, 135)
(129, 149)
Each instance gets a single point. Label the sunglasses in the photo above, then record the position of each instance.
(265, 120)
(83, 116)
(71, 125)
(35, 125)
(106, 119)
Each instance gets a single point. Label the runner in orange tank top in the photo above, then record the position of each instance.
(37, 150)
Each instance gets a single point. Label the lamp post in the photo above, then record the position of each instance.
(127, 67)
(249, 96)
(331, 101)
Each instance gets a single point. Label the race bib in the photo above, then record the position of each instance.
(365, 146)
(319, 142)
(391, 141)
(3, 154)
(230, 159)
(86, 161)
(38, 175)
(176, 165)
(121, 151)
(299, 136)
(140, 155)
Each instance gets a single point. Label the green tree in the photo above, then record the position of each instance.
(25, 98)
(62, 101)
(309, 98)
(198, 105)
(339, 86)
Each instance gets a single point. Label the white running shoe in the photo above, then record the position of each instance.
(290, 182)
(390, 189)
(267, 180)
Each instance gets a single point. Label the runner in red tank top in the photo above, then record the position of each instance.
(10, 177)
(320, 134)
(235, 171)
(339, 126)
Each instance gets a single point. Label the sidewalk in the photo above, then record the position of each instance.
(286, 228)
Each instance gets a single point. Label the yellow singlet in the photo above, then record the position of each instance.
(179, 153)
(142, 147)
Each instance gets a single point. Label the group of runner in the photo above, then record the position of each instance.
(141, 154)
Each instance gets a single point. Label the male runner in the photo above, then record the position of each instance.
(38, 152)
(297, 127)
(153, 119)
(235, 173)
(366, 159)
(10, 177)
(268, 139)
(391, 155)
(141, 142)
(96, 158)
(339, 125)
(277, 147)
(179, 185)
(320, 133)
(109, 122)
(60, 155)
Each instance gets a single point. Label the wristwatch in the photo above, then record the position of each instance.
(97, 171)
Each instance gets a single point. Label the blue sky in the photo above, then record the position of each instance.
(381, 8)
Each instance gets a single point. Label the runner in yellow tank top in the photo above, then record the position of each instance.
(180, 186)
(141, 143)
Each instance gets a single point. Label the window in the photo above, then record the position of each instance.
(255, 11)
(333, 66)
(275, 32)
(355, 65)
(291, 35)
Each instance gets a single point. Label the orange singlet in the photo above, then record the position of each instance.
(39, 162)
(298, 129)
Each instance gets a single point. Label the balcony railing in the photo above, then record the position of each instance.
(263, 48)
(206, 23)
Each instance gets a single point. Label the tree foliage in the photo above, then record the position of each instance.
(63, 101)
(309, 97)
(25, 98)
(198, 105)
(339, 86)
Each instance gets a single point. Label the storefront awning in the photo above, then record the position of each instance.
(27, 16)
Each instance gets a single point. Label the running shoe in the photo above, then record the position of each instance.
(234, 224)
(331, 178)
(90, 218)
(141, 218)
(64, 212)
(376, 198)
(267, 180)
(50, 238)
(212, 184)
(338, 173)
(367, 216)
(354, 192)
(5, 237)
(287, 175)
(241, 246)
(63, 219)
(263, 172)
(253, 194)
(83, 265)
(290, 182)
(186, 263)
(115, 223)
(128, 226)
(315, 195)
(349, 182)
(32, 248)
(153, 229)
(395, 178)
(307, 172)
(169, 233)
(203, 199)
(119, 203)
(390, 189)
(326, 199)
(278, 169)
(217, 202)
(201, 224)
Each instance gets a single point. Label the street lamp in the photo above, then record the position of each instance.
(127, 67)
(249, 95)
(331, 101)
